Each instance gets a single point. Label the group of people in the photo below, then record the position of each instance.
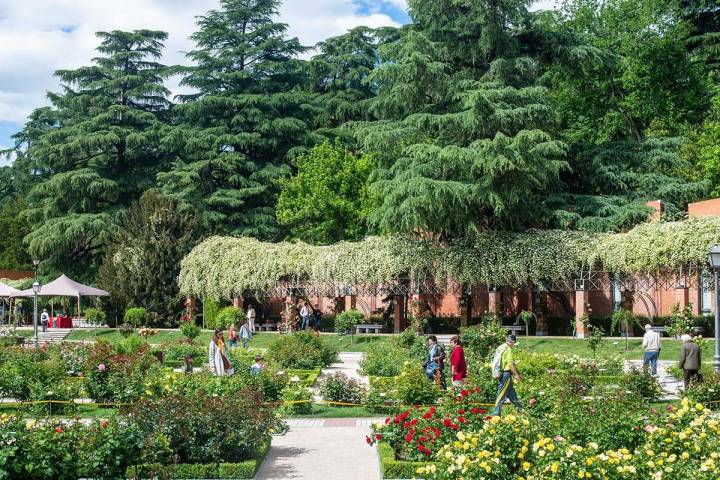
(690, 356)
(301, 316)
(504, 368)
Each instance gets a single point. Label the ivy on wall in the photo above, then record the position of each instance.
(225, 267)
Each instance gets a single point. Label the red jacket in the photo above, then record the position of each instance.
(457, 360)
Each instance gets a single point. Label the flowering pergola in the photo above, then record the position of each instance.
(651, 255)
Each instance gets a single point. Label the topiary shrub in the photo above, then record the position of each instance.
(136, 316)
(346, 321)
(301, 350)
(189, 330)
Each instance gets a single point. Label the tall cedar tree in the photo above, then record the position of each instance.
(95, 150)
(142, 264)
(237, 133)
(464, 140)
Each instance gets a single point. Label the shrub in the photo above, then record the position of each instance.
(414, 388)
(642, 384)
(176, 352)
(346, 321)
(383, 359)
(27, 374)
(301, 350)
(210, 310)
(136, 316)
(298, 400)
(480, 341)
(204, 428)
(681, 321)
(95, 316)
(338, 387)
(226, 317)
(189, 330)
(126, 329)
(707, 391)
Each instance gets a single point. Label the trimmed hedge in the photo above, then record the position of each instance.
(213, 471)
(397, 469)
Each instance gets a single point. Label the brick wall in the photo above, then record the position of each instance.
(16, 274)
(706, 208)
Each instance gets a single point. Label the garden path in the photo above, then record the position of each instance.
(315, 448)
(349, 365)
(672, 387)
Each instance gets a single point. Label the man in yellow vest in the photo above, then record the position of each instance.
(504, 369)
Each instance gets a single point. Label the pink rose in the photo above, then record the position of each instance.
(532, 402)
(102, 367)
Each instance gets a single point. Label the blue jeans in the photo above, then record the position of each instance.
(245, 341)
(651, 358)
(305, 323)
(506, 390)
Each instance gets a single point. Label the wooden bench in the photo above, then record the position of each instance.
(368, 328)
(266, 327)
(659, 329)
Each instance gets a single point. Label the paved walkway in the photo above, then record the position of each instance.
(672, 388)
(316, 449)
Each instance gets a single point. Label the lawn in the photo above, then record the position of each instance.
(610, 347)
(358, 343)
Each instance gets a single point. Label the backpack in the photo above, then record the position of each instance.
(497, 360)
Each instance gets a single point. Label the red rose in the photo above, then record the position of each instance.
(428, 415)
(474, 411)
(58, 429)
(461, 419)
(463, 392)
(421, 448)
(461, 411)
(437, 432)
(488, 417)
(482, 411)
(413, 422)
(409, 436)
(387, 420)
(426, 452)
(367, 439)
(378, 436)
(454, 426)
(446, 422)
(532, 402)
(406, 424)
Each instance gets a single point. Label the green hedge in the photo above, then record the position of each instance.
(242, 470)
(395, 469)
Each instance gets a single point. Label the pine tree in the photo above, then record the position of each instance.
(243, 124)
(465, 138)
(95, 150)
(143, 259)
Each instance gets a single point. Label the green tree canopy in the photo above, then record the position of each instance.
(142, 263)
(328, 200)
(237, 133)
(95, 150)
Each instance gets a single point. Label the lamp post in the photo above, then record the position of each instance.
(714, 260)
(36, 290)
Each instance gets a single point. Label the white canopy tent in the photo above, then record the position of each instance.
(6, 291)
(63, 286)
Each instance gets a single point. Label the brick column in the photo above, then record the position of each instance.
(493, 300)
(349, 302)
(398, 314)
(682, 296)
(581, 309)
(237, 302)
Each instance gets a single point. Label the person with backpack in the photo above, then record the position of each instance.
(435, 364)
(505, 370)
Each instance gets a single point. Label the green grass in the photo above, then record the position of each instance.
(611, 347)
(331, 411)
(359, 343)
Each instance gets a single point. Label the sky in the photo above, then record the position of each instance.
(38, 37)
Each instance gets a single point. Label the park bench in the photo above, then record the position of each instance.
(659, 329)
(368, 328)
(266, 327)
(515, 328)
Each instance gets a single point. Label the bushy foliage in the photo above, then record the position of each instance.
(226, 317)
(189, 330)
(383, 359)
(481, 340)
(297, 399)
(707, 392)
(346, 321)
(414, 388)
(300, 350)
(338, 387)
(95, 316)
(136, 316)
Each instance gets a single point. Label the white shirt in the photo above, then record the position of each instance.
(304, 312)
(250, 313)
(651, 341)
(44, 317)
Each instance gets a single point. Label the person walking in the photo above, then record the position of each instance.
(251, 318)
(304, 316)
(435, 364)
(317, 317)
(651, 344)
(505, 370)
(44, 319)
(217, 356)
(458, 365)
(245, 334)
(690, 360)
(232, 336)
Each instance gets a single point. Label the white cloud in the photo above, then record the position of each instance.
(38, 37)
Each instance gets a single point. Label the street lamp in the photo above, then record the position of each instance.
(714, 260)
(36, 290)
